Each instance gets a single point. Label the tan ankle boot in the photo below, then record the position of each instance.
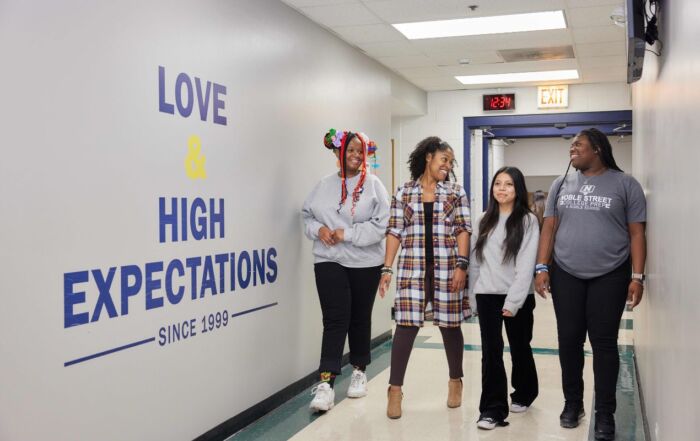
(454, 392)
(393, 408)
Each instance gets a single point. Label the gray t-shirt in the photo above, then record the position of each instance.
(594, 212)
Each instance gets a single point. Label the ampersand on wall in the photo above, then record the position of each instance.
(194, 161)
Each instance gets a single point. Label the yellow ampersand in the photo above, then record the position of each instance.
(194, 161)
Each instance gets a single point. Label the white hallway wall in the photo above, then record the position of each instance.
(91, 154)
(666, 324)
(537, 157)
(447, 109)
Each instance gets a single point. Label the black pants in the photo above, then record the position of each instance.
(494, 383)
(594, 306)
(347, 298)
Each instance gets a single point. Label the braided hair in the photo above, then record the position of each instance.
(339, 140)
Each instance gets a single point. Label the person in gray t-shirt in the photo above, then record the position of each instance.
(595, 226)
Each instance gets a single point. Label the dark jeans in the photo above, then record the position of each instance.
(494, 383)
(347, 298)
(594, 306)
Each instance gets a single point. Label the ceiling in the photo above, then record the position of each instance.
(431, 64)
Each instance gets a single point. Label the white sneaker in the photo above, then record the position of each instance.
(324, 398)
(517, 407)
(358, 384)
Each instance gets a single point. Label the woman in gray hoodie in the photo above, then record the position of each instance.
(500, 281)
(346, 215)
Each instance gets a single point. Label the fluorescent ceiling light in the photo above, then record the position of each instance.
(498, 24)
(519, 77)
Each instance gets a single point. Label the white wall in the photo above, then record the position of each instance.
(89, 156)
(446, 111)
(547, 158)
(666, 324)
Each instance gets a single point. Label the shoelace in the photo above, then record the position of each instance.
(315, 389)
(356, 379)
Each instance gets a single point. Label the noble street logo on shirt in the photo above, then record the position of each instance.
(585, 202)
(587, 189)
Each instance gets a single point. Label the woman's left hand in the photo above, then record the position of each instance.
(339, 235)
(459, 280)
(634, 293)
(507, 313)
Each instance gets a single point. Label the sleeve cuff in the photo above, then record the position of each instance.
(394, 232)
(348, 234)
(512, 307)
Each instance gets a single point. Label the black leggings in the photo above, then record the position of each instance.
(404, 336)
(594, 306)
(347, 298)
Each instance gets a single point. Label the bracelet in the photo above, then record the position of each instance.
(386, 270)
(638, 281)
(541, 268)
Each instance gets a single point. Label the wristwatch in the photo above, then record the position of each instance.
(639, 276)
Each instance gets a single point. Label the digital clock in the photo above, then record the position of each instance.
(505, 101)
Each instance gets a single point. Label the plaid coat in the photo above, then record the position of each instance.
(450, 218)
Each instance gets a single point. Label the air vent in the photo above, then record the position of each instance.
(537, 54)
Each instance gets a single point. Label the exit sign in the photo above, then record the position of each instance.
(552, 97)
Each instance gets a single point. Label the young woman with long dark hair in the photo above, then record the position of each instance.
(593, 251)
(430, 221)
(503, 255)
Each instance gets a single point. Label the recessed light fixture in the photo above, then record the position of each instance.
(497, 24)
(519, 77)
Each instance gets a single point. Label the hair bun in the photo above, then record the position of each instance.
(334, 139)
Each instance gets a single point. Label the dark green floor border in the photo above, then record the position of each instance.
(629, 416)
(269, 404)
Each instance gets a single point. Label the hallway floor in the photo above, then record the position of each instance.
(425, 414)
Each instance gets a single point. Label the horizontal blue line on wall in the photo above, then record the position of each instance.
(108, 351)
(151, 339)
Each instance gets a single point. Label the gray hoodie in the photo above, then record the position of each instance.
(492, 276)
(363, 234)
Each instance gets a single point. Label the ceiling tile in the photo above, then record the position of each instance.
(585, 3)
(377, 33)
(559, 37)
(403, 11)
(306, 3)
(389, 49)
(608, 61)
(593, 16)
(601, 49)
(598, 34)
(406, 61)
(422, 72)
(474, 57)
(524, 66)
(346, 14)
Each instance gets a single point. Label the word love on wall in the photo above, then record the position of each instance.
(188, 92)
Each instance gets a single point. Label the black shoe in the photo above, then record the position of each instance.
(604, 426)
(571, 415)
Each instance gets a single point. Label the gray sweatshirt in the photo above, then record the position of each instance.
(492, 276)
(363, 234)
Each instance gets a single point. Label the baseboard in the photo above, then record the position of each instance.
(257, 411)
(645, 421)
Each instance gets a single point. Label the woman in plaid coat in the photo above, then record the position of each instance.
(430, 220)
